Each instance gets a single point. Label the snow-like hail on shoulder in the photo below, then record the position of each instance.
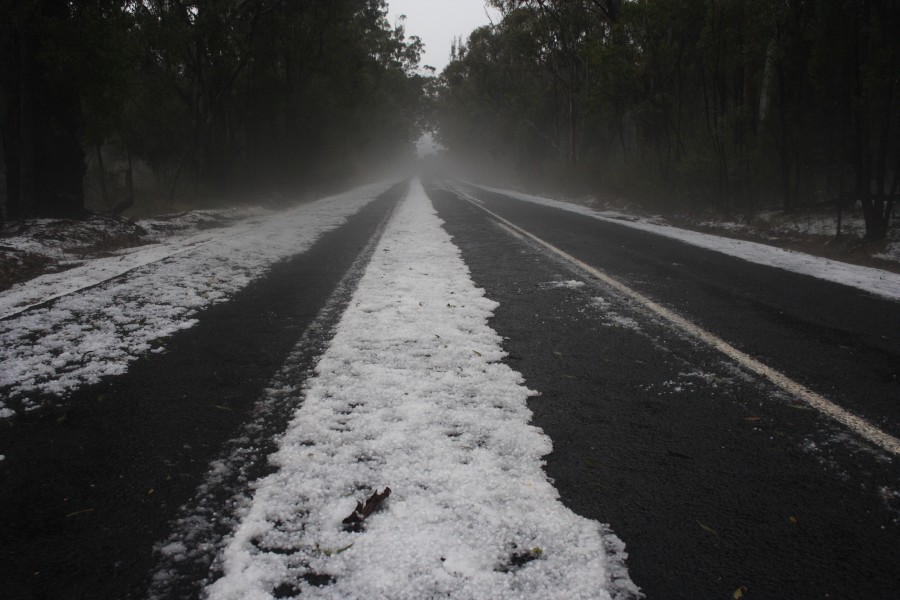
(111, 312)
(412, 395)
(874, 281)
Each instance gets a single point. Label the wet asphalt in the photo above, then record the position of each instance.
(718, 483)
(91, 482)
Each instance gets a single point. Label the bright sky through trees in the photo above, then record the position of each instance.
(437, 22)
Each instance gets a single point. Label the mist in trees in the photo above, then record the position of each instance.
(227, 96)
(731, 105)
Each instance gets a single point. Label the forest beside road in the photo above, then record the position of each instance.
(686, 105)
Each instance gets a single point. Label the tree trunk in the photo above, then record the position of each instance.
(840, 217)
(59, 157)
(103, 190)
(43, 124)
(10, 92)
(26, 200)
(128, 202)
(171, 199)
(784, 159)
(573, 149)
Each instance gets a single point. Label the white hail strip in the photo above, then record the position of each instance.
(411, 394)
(46, 288)
(855, 423)
(96, 330)
(52, 286)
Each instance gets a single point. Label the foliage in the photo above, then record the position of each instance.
(231, 93)
(726, 104)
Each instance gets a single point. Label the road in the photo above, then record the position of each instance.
(91, 485)
(717, 480)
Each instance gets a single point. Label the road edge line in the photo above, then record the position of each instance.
(855, 423)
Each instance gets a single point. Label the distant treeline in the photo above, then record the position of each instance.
(726, 104)
(227, 93)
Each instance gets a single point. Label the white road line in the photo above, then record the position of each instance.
(825, 406)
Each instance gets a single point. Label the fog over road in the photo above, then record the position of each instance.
(716, 479)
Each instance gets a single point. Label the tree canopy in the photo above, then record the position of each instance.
(228, 92)
(701, 103)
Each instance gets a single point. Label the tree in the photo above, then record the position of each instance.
(42, 117)
(231, 94)
(709, 103)
(494, 104)
(875, 73)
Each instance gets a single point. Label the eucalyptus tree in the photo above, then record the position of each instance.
(55, 58)
(724, 104)
(234, 93)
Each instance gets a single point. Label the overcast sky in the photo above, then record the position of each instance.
(437, 22)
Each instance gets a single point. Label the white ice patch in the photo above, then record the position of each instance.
(611, 317)
(620, 321)
(411, 395)
(173, 236)
(875, 281)
(571, 284)
(97, 331)
(892, 252)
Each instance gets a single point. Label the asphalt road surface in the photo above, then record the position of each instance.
(716, 480)
(89, 487)
(719, 482)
